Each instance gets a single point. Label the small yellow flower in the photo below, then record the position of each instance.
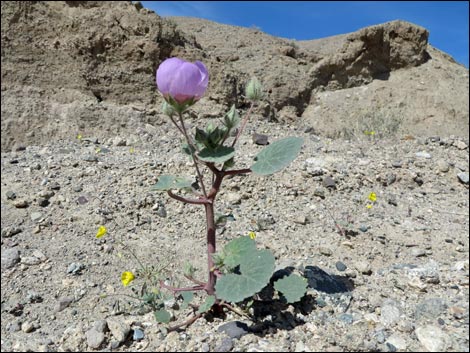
(79, 136)
(101, 231)
(131, 150)
(369, 206)
(252, 235)
(126, 278)
(98, 150)
(373, 196)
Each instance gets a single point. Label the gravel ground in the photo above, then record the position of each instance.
(395, 278)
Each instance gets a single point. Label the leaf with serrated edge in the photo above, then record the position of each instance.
(163, 316)
(216, 155)
(255, 271)
(169, 182)
(292, 287)
(207, 305)
(277, 156)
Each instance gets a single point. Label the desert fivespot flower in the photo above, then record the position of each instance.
(101, 231)
(127, 277)
(373, 196)
(252, 235)
(181, 80)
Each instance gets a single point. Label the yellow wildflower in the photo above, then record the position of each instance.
(373, 196)
(126, 278)
(369, 206)
(252, 235)
(101, 231)
(132, 150)
(79, 136)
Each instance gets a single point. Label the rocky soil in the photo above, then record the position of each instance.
(380, 111)
(397, 279)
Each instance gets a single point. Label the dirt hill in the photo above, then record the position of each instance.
(88, 67)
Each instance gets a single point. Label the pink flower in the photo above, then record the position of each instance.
(182, 80)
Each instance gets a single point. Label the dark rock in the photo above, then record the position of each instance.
(63, 303)
(11, 195)
(234, 329)
(340, 266)
(260, 139)
(329, 182)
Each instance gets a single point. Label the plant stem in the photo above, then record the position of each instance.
(192, 149)
(245, 120)
(210, 247)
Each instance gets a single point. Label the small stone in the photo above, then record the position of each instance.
(319, 192)
(43, 202)
(363, 228)
(300, 220)
(119, 141)
(433, 338)
(346, 318)
(77, 188)
(36, 216)
(138, 334)
(8, 232)
(340, 266)
(325, 251)
(82, 200)
(389, 313)
(397, 164)
(94, 339)
(54, 185)
(118, 329)
(234, 329)
(418, 252)
(463, 177)
(364, 267)
(75, 268)
(391, 178)
(430, 308)
(100, 326)
(225, 346)
(423, 154)
(11, 195)
(21, 203)
(461, 145)
(234, 198)
(63, 303)
(458, 312)
(442, 166)
(329, 182)
(90, 158)
(260, 139)
(27, 327)
(10, 257)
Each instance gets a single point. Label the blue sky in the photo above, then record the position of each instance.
(447, 21)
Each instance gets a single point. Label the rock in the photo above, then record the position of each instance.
(260, 139)
(423, 154)
(8, 232)
(325, 251)
(36, 216)
(21, 203)
(340, 266)
(463, 177)
(119, 329)
(75, 268)
(364, 267)
(94, 339)
(397, 341)
(62, 303)
(54, 185)
(433, 338)
(418, 252)
(234, 198)
(27, 327)
(77, 188)
(100, 326)
(430, 309)
(329, 182)
(300, 219)
(319, 192)
(225, 346)
(90, 158)
(397, 164)
(119, 141)
(11, 195)
(10, 257)
(389, 313)
(442, 166)
(43, 202)
(461, 145)
(138, 334)
(234, 329)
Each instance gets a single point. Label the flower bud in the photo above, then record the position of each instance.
(167, 109)
(182, 82)
(254, 90)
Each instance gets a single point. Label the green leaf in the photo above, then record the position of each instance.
(207, 305)
(219, 154)
(187, 149)
(277, 155)
(162, 316)
(169, 182)
(236, 250)
(187, 296)
(231, 119)
(292, 287)
(255, 271)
